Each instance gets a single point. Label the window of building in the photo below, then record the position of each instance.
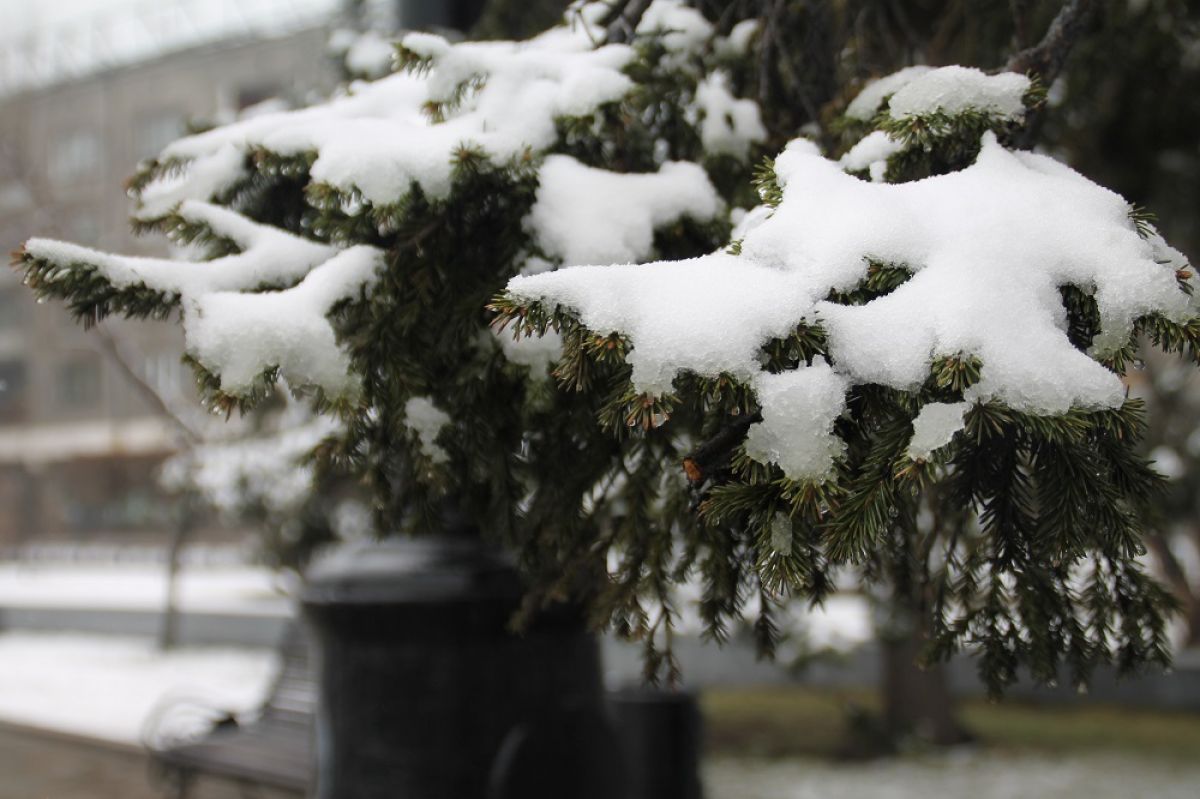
(14, 197)
(14, 307)
(155, 132)
(83, 226)
(78, 383)
(13, 386)
(75, 155)
(164, 372)
(248, 96)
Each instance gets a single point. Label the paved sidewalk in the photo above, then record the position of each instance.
(46, 765)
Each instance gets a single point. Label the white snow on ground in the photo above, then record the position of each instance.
(235, 589)
(106, 687)
(978, 775)
(843, 622)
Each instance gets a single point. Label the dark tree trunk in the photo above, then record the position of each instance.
(1177, 579)
(916, 702)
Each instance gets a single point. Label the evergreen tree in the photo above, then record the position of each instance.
(861, 379)
(349, 251)
(997, 511)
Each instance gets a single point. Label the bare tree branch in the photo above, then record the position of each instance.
(1020, 17)
(1046, 59)
(116, 353)
(622, 20)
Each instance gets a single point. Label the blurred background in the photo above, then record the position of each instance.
(147, 550)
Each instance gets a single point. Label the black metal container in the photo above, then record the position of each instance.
(661, 742)
(425, 693)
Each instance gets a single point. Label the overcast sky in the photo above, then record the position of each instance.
(43, 41)
(24, 16)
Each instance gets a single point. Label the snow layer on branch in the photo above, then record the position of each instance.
(501, 97)
(233, 327)
(867, 103)
(934, 426)
(953, 90)
(585, 215)
(270, 257)
(988, 246)
(202, 179)
(237, 336)
(730, 126)
(426, 420)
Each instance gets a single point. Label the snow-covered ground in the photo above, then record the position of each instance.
(978, 775)
(107, 687)
(142, 586)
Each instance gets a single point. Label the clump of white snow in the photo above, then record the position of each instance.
(683, 29)
(729, 125)
(871, 154)
(799, 408)
(365, 54)
(585, 215)
(988, 246)
(935, 426)
(427, 420)
(738, 41)
(264, 468)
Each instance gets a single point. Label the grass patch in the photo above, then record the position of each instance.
(788, 721)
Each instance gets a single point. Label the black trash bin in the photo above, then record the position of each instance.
(425, 693)
(660, 734)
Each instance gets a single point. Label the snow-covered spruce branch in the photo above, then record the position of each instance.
(973, 328)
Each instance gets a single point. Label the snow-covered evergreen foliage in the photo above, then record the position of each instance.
(903, 363)
(350, 250)
(914, 354)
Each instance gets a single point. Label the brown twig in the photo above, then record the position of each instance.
(716, 451)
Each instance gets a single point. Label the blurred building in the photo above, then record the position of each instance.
(81, 102)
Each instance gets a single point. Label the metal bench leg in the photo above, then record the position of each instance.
(179, 783)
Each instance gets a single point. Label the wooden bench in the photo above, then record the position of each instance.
(272, 749)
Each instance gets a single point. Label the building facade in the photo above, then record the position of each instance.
(81, 436)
